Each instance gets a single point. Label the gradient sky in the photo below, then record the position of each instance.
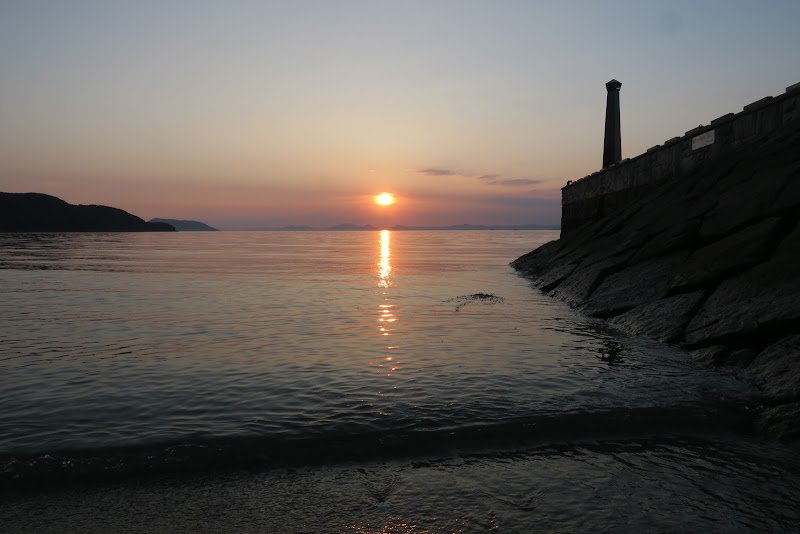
(248, 114)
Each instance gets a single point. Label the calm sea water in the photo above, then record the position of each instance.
(123, 354)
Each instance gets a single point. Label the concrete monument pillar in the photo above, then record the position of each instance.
(612, 145)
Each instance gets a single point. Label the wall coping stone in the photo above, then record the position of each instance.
(695, 131)
(758, 104)
(721, 120)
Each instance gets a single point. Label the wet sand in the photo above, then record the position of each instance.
(731, 484)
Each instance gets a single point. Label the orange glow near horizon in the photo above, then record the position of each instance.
(384, 199)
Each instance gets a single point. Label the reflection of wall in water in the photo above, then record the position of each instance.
(610, 351)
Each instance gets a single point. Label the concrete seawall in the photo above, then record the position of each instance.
(592, 197)
(697, 248)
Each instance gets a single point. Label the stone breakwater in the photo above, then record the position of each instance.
(592, 197)
(709, 262)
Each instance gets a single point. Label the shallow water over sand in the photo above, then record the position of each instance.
(114, 340)
(131, 354)
(649, 485)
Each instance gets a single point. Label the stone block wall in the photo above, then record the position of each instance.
(597, 195)
(708, 261)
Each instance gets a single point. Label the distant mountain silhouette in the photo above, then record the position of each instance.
(482, 227)
(37, 212)
(350, 227)
(294, 228)
(186, 226)
(301, 228)
(369, 227)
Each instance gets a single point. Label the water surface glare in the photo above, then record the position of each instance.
(112, 340)
(351, 382)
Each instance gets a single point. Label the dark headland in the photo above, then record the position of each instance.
(37, 212)
(696, 243)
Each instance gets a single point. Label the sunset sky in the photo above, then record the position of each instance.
(248, 114)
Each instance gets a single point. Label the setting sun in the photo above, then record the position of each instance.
(385, 199)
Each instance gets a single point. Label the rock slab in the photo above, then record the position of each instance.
(709, 262)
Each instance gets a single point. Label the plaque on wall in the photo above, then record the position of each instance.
(703, 139)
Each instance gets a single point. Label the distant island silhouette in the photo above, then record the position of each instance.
(370, 228)
(37, 212)
(186, 225)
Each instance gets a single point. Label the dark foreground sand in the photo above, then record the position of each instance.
(730, 484)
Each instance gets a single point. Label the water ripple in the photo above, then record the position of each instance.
(133, 339)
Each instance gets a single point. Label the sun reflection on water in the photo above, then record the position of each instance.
(385, 266)
(386, 310)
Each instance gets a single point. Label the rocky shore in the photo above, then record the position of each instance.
(709, 262)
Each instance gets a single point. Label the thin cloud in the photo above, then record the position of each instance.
(516, 182)
(437, 172)
(489, 179)
(496, 179)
